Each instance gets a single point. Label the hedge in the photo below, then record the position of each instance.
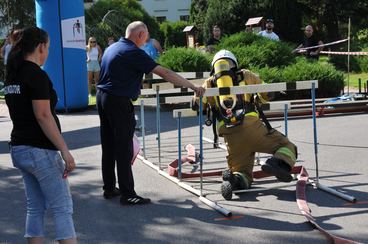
(185, 60)
(272, 60)
(172, 33)
(330, 81)
(255, 51)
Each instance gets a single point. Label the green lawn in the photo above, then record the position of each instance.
(353, 79)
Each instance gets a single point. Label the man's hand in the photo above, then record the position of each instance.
(199, 91)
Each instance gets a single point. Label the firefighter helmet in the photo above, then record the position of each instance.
(224, 54)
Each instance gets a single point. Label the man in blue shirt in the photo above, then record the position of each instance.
(122, 68)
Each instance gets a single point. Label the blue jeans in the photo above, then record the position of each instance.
(45, 188)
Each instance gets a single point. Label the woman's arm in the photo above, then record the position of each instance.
(45, 119)
(99, 53)
(157, 45)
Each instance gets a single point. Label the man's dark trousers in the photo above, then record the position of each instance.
(116, 130)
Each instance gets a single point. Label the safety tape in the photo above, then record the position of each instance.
(345, 53)
(322, 45)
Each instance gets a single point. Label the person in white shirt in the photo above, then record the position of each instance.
(94, 55)
(268, 32)
(5, 49)
(9, 42)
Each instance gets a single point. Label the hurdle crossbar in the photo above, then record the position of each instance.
(298, 85)
(260, 88)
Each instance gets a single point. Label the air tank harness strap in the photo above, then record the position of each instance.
(263, 116)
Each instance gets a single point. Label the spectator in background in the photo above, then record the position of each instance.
(9, 42)
(94, 55)
(5, 49)
(268, 32)
(110, 40)
(214, 39)
(153, 48)
(310, 41)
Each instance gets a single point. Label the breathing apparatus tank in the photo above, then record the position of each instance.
(227, 102)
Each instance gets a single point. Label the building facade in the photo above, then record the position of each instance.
(171, 10)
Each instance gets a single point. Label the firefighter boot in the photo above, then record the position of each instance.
(278, 168)
(231, 182)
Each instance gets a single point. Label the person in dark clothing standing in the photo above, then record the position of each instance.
(214, 39)
(36, 139)
(310, 41)
(122, 69)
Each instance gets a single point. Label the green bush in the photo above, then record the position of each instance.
(185, 60)
(269, 75)
(363, 64)
(239, 39)
(272, 60)
(254, 51)
(363, 61)
(362, 36)
(330, 81)
(173, 34)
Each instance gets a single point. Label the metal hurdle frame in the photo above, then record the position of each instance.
(316, 182)
(298, 85)
(276, 87)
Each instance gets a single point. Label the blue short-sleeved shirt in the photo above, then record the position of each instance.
(122, 68)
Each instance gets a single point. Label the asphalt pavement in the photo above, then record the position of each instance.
(176, 215)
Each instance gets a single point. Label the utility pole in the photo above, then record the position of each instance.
(348, 55)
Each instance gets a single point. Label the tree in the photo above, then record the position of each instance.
(17, 13)
(330, 15)
(198, 11)
(173, 34)
(232, 16)
(110, 18)
(287, 16)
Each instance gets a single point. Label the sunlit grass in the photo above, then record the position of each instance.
(354, 79)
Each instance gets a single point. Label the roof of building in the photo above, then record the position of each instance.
(254, 21)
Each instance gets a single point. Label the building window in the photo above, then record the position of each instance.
(160, 19)
(184, 17)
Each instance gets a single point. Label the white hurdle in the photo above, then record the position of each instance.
(298, 85)
(277, 87)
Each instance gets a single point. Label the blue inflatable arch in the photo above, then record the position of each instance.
(66, 64)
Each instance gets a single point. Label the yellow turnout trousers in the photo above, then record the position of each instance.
(252, 136)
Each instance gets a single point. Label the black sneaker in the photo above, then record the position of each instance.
(278, 168)
(136, 200)
(111, 194)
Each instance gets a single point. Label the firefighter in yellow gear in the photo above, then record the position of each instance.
(244, 133)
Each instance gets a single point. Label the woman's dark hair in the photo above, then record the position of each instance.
(27, 41)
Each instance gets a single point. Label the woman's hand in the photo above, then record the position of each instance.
(69, 160)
